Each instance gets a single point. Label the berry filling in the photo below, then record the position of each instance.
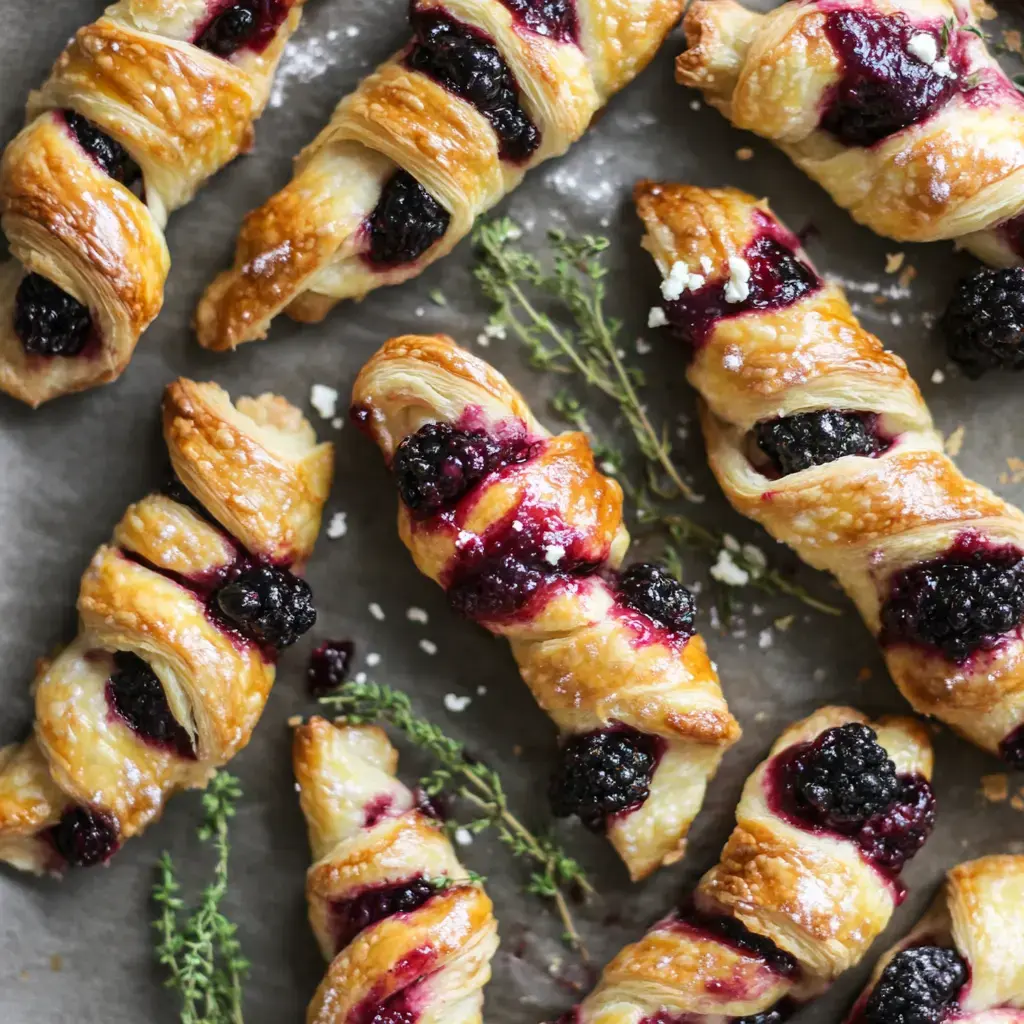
(555, 19)
(738, 936)
(795, 443)
(1011, 750)
(48, 321)
(653, 591)
(111, 156)
(84, 837)
(136, 695)
(918, 986)
(405, 223)
(964, 601)
(328, 666)
(268, 605)
(894, 74)
(603, 773)
(249, 24)
(354, 915)
(177, 491)
(468, 64)
(984, 323)
(405, 1006)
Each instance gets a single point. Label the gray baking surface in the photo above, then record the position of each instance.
(81, 950)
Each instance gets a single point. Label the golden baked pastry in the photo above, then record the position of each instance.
(435, 136)
(897, 109)
(817, 432)
(408, 935)
(807, 881)
(526, 537)
(181, 617)
(141, 108)
(962, 962)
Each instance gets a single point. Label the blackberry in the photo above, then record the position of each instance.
(918, 986)
(48, 321)
(84, 837)
(891, 837)
(350, 917)
(406, 221)
(602, 773)
(958, 603)
(736, 934)
(268, 605)
(656, 593)
(328, 666)
(108, 153)
(984, 323)
(137, 696)
(795, 443)
(555, 19)
(230, 31)
(846, 776)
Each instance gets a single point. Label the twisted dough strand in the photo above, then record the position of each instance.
(588, 663)
(256, 484)
(181, 113)
(368, 837)
(957, 174)
(862, 519)
(305, 249)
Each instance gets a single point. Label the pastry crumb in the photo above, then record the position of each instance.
(295, 721)
(338, 526)
(893, 261)
(376, 611)
(428, 646)
(463, 837)
(414, 614)
(744, 153)
(373, 659)
(456, 704)
(1017, 802)
(908, 274)
(995, 788)
(864, 675)
(1012, 41)
(955, 441)
(938, 377)
(325, 400)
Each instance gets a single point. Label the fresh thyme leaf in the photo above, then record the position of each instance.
(438, 297)
(974, 30)
(475, 782)
(201, 951)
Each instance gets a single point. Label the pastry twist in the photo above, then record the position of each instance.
(971, 934)
(168, 676)
(930, 558)
(435, 136)
(789, 907)
(528, 547)
(138, 112)
(407, 934)
(896, 108)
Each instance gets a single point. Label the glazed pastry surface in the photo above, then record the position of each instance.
(530, 549)
(789, 906)
(901, 528)
(896, 108)
(165, 682)
(408, 935)
(435, 136)
(140, 109)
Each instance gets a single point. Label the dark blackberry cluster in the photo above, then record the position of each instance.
(48, 321)
(84, 837)
(736, 934)
(137, 696)
(958, 603)
(109, 154)
(231, 30)
(406, 221)
(846, 776)
(350, 917)
(602, 773)
(655, 592)
(555, 19)
(794, 443)
(891, 837)
(328, 666)
(984, 323)
(918, 986)
(269, 605)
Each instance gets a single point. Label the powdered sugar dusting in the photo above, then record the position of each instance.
(305, 59)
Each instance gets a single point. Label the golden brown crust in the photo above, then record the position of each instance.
(148, 594)
(863, 519)
(587, 664)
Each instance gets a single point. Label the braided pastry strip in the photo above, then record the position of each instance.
(786, 910)
(977, 915)
(551, 522)
(312, 244)
(376, 856)
(956, 172)
(867, 520)
(251, 485)
(170, 110)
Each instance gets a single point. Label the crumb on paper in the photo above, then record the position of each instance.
(656, 317)
(56, 962)
(338, 526)
(985, 11)
(352, 31)
(325, 400)
(938, 377)
(893, 261)
(1012, 40)
(955, 441)
(294, 722)
(337, 423)
(373, 659)
(481, 691)
(820, 675)
(1016, 474)
(995, 788)
(726, 571)
(360, 677)
(765, 638)
(744, 153)
(864, 675)
(906, 276)
(415, 614)
(517, 750)
(784, 622)
(643, 346)
(695, 104)
(428, 646)
(761, 716)
(463, 837)
(376, 611)
(456, 704)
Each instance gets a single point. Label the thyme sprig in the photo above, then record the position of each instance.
(201, 951)
(477, 783)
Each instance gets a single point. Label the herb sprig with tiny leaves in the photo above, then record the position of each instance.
(477, 783)
(200, 949)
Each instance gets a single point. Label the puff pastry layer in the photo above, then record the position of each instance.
(408, 936)
(176, 113)
(785, 911)
(869, 520)
(404, 131)
(251, 485)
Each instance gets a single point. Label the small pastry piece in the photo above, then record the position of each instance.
(896, 108)
(807, 881)
(141, 108)
(435, 136)
(181, 618)
(409, 937)
(526, 537)
(963, 961)
(818, 433)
